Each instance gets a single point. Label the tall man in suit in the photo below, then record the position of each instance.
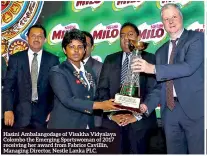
(27, 95)
(96, 66)
(88, 60)
(179, 70)
(135, 130)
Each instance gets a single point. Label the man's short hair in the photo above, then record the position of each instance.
(131, 25)
(37, 26)
(166, 6)
(90, 36)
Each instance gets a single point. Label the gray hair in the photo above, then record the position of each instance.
(166, 6)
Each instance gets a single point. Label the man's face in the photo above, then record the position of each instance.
(172, 20)
(74, 51)
(36, 39)
(126, 34)
(89, 47)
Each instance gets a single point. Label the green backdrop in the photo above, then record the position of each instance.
(104, 18)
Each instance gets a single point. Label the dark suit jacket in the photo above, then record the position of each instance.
(73, 103)
(3, 70)
(95, 66)
(3, 74)
(18, 82)
(110, 79)
(187, 74)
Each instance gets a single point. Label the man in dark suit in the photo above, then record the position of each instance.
(135, 131)
(179, 71)
(3, 70)
(3, 73)
(88, 60)
(96, 66)
(27, 95)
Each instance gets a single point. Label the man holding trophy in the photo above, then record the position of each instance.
(129, 89)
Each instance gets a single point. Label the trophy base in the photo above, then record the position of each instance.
(126, 103)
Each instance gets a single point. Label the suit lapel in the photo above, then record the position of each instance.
(26, 67)
(117, 68)
(89, 63)
(43, 66)
(164, 59)
(181, 42)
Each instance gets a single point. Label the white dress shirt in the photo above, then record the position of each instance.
(124, 57)
(86, 60)
(31, 56)
(169, 53)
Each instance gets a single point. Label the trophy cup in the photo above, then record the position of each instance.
(129, 96)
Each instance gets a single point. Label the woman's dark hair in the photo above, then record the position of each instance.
(73, 34)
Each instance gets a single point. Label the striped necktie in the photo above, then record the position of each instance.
(124, 68)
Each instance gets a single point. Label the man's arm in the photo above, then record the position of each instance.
(193, 60)
(9, 91)
(10, 84)
(152, 97)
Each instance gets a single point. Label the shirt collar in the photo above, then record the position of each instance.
(81, 67)
(30, 52)
(124, 53)
(86, 59)
(178, 34)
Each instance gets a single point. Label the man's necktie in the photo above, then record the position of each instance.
(169, 84)
(34, 76)
(125, 68)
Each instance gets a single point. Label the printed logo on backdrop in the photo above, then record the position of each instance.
(109, 33)
(16, 18)
(182, 3)
(196, 26)
(57, 33)
(77, 6)
(119, 5)
(154, 32)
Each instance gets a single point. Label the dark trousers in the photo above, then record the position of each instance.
(183, 135)
(132, 141)
(33, 124)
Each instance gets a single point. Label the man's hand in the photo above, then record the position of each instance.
(118, 118)
(128, 118)
(9, 118)
(143, 108)
(140, 65)
(48, 118)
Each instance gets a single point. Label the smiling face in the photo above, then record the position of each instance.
(172, 20)
(75, 52)
(36, 39)
(126, 34)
